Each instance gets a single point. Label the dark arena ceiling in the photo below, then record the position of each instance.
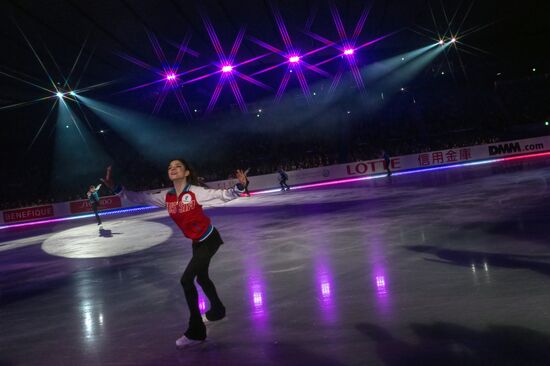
(120, 51)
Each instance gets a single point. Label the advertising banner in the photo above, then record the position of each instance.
(30, 213)
(105, 203)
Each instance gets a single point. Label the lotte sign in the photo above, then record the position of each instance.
(372, 166)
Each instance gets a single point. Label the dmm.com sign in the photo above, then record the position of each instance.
(105, 203)
(514, 148)
(30, 213)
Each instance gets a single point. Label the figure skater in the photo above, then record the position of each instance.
(93, 199)
(184, 203)
(387, 162)
(283, 177)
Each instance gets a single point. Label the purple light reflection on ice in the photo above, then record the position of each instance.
(257, 297)
(381, 286)
(325, 290)
(202, 304)
(323, 276)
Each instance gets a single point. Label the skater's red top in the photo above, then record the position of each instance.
(186, 209)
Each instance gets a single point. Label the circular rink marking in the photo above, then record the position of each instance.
(111, 239)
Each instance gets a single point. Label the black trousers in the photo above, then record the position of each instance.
(94, 207)
(387, 164)
(198, 267)
(283, 184)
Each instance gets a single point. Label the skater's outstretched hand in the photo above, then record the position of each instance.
(241, 176)
(108, 180)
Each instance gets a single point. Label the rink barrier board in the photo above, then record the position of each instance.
(429, 159)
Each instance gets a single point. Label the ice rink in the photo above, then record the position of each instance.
(447, 267)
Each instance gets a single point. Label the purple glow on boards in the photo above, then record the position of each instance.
(405, 172)
(85, 216)
(328, 183)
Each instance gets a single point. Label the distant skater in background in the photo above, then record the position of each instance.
(387, 161)
(93, 199)
(283, 177)
(246, 192)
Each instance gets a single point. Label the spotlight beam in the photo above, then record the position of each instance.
(465, 16)
(226, 66)
(76, 61)
(346, 44)
(236, 45)
(160, 100)
(282, 86)
(269, 68)
(65, 80)
(183, 103)
(292, 57)
(63, 104)
(251, 60)
(237, 93)
(88, 61)
(336, 79)
(303, 83)
(188, 50)
(140, 63)
(215, 95)
(266, 45)
(95, 86)
(282, 27)
(42, 125)
(361, 23)
(214, 38)
(25, 81)
(24, 104)
(182, 49)
(252, 81)
(79, 105)
(315, 68)
(158, 50)
(36, 55)
(169, 73)
(338, 21)
(366, 44)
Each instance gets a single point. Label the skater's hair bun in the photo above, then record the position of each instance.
(192, 177)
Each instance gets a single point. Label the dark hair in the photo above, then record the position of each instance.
(90, 187)
(192, 177)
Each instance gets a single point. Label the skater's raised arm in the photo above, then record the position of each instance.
(143, 198)
(210, 197)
